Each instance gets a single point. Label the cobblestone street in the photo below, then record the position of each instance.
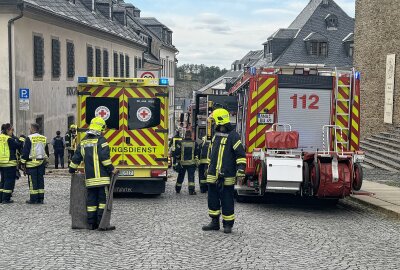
(165, 233)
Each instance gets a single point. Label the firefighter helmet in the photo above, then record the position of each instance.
(97, 124)
(73, 126)
(221, 117)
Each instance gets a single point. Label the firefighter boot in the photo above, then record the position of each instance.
(227, 229)
(192, 192)
(178, 189)
(212, 226)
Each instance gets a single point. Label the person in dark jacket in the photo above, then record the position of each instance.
(94, 152)
(227, 162)
(70, 141)
(172, 146)
(9, 146)
(203, 164)
(34, 158)
(59, 147)
(186, 157)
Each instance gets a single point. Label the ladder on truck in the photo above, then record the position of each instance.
(343, 104)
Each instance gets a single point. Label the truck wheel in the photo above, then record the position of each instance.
(306, 179)
(315, 176)
(263, 176)
(358, 177)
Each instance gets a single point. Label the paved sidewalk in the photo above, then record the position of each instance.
(383, 197)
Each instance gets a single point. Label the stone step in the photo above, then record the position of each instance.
(384, 143)
(376, 146)
(394, 135)
(372, 161)
(388, 139)
(382, 158)
(381, 153)
(367, 166)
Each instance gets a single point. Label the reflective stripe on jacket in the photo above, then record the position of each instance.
(186, 152)
(35, 150)
(204, 152)
(8, 150)
(227, 156)
(95, 154)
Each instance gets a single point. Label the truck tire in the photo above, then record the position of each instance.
(306, 179)
(263, 176)
(315, 176)
(358, 177)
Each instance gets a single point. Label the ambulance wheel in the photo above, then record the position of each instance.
(315, 176)
(306, 179)
(358, 177)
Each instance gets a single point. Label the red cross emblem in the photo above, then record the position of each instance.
(103, 112)
(144, 114)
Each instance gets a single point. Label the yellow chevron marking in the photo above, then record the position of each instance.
(252, 134)
(354, 138)
(354, 124)
(265, 85)
(356, 99)
(356, 112)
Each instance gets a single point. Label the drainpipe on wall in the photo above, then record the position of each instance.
(10, 60)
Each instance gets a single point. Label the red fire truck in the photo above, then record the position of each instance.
(300, 126)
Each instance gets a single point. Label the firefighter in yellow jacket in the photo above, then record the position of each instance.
(34, 158)
(95, 154)
(9, 146)
(227, 162)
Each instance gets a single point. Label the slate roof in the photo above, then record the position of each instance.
(312, 26)
(230, 74)
(284, 33)
(305, 14)
(150, 21)
(79, 14)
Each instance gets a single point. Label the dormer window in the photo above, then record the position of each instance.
(332, 22)
(316, 44)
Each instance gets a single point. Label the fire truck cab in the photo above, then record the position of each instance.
(136, 114)
(300, 128)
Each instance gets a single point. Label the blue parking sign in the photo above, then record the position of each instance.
(24, 93)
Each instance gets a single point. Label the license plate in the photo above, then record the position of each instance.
(359, 158)
(126, 173)
(265, 118)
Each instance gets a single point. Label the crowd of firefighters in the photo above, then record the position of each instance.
(29, 154)
(220, 163)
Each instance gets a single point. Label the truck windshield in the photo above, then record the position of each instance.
(143, 113)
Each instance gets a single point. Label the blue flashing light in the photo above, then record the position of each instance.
(164, 81)
(358, 75)
(82, 79)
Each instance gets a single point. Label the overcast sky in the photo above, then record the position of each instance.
(217, 32)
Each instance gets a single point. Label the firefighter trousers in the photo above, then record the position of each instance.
(7, 184)
(36, 183)
(221, 197)
(191, 169)
(203, 178)
(96, 203)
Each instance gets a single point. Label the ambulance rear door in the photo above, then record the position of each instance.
(146, 133)
(105, 101)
